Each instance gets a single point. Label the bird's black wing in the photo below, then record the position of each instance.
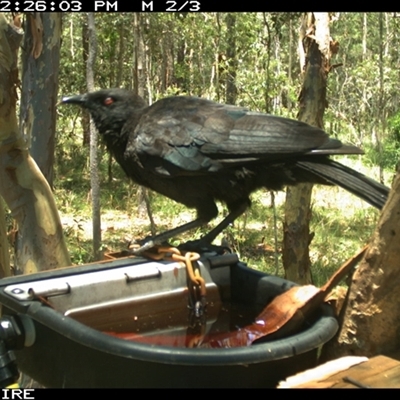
(187, 135)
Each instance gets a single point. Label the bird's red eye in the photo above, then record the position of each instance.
(108, 101)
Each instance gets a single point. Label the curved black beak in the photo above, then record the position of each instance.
(79, 99)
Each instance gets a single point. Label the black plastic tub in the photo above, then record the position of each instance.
(70, 349)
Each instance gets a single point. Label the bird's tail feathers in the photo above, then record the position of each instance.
(360, 185)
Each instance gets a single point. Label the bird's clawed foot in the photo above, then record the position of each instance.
(138, 247)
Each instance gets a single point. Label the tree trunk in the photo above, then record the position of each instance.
(139, 78)
(41, 59)
(85, 120)
(121, 52)
(94, 163)
(370, 317)
(40, 242)
(231, 89)
(381, 108)
(267, 94)
(290, 66)
(139, 62)
(364, 37)
(5, 269)
(297, 236)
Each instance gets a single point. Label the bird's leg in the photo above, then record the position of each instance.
(159, 239)
(205, 213)
(202, 244)
(229, 219)
(205, 242)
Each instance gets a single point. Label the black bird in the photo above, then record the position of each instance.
(196, 152)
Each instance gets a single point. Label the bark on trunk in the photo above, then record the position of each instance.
(40, 242)
(297, 235)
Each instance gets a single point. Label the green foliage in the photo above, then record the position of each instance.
(387, 156)
(394, 126)
(387, 153)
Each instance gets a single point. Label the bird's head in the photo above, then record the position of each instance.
(109, 108)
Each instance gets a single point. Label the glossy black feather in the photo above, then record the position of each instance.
(196, 151)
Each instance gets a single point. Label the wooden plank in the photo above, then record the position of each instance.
(377, 372)
(320, 374)
(388, 379)
(371, 373)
